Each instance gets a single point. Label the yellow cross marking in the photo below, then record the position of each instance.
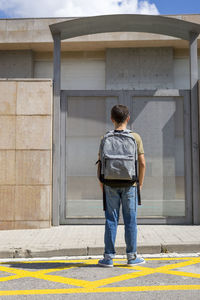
(98, 286)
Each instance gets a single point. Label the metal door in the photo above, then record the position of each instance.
(162, 118)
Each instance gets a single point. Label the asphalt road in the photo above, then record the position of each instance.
(159, 278)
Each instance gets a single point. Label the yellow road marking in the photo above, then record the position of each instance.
(101, 290)
(96, 286)
(65, 280)
(7, 278)
(45, 271)
(123, 277)
(180, 273)
(145, 271)
(68, 261)
(40, 275)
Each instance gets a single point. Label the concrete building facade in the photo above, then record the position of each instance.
(123, 64)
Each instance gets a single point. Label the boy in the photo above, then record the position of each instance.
(127, 196)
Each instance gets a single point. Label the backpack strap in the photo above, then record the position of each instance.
(137, 181)
(104, 198)
(100, 179)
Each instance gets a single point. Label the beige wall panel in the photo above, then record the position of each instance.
(7, 199)
(7, 170)
(33, 167)
(6, 225)
(7, 98)
(25, 202)
(31, 224)
(34, 98)
(7, 132)
(33, 132)
(32, 203)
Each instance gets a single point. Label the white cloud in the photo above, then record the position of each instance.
(75, 8)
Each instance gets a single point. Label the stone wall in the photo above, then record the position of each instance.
(25, 153)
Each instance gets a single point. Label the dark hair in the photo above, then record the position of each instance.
(119, 113)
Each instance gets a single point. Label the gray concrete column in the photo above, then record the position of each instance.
(56, 131)
(195, 126)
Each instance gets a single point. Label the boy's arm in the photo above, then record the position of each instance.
(142, 166)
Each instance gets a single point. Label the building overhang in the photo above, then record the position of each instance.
(125, 23)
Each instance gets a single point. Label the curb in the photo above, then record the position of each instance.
(85, 251)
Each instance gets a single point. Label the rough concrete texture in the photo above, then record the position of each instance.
(16, 64)
(139, 68)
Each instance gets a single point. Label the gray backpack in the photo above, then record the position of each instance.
(118, 159)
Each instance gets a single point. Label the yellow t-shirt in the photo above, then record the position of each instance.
(139, 142)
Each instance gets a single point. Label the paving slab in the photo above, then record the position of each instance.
(72, 240)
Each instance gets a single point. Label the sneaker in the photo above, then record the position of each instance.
(135, 262)
(106, 263)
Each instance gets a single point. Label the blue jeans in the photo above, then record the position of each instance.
(128, 197)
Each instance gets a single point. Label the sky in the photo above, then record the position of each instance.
(80, 8)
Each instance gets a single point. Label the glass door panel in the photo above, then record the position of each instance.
(159, 121)
(87, 120)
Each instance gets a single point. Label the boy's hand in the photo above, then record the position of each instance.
(101, 185)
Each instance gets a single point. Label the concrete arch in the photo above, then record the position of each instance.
(125, 23)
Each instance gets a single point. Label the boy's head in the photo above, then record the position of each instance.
(120, 114)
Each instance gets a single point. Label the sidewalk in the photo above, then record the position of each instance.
(72, 240)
